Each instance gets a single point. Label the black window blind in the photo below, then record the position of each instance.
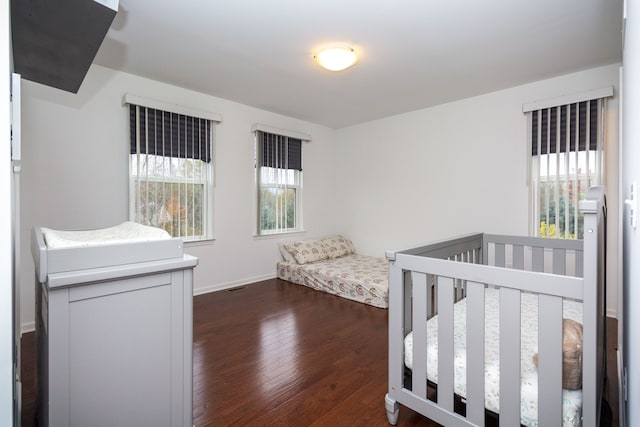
(278, 151)
(576, 115)
(163, 133)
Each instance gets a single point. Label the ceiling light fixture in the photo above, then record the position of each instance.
(336, 58)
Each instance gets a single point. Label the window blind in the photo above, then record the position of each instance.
(281, 152)
(567, 157)
(168, 134)
(279, 182)
(582, 131)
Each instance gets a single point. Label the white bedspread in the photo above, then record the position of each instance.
(125, 232)
(572, 399)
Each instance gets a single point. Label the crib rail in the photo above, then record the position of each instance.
(430, 279)
(464, 247)
(557, 256)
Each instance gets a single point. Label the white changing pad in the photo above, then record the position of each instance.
(571, 399)
(123, 233)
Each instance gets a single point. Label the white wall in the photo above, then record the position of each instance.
(387, 184)
(75, 172)
(456, 168)
(631, 240)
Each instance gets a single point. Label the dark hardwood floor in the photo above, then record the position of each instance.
(275, 353)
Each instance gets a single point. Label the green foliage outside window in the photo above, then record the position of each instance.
(547, 226)
(277, 208)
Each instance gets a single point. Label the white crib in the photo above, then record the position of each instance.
(428, 283)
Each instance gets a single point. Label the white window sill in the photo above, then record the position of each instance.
(278, 235)
(204, 242)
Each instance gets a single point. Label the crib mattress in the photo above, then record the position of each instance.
(356, 277)
(572, 399)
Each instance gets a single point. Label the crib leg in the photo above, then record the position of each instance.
(392, 408)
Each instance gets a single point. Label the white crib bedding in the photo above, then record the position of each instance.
(356, 277)
(572, 399)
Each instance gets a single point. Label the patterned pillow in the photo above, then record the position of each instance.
(285, 253)
(337, 246)
(307, 251)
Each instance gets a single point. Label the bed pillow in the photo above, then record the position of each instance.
(307, 251)
(285, 253)
(571, 355)
(337, 246)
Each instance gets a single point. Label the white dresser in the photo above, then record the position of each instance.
(114, 333)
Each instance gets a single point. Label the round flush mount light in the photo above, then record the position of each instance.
(336, 58)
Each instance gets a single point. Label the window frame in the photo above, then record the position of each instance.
(566, 179)
(298, 207)
(259, 185)
(535, 223)
(206, 178)
(207, 206)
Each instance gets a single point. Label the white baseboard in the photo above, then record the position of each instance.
(612, 313)
(27, 327)
(233, 284)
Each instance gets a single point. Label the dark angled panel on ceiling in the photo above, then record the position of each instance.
(55, 41)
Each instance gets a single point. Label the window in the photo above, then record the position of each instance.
(567, 157)
(278, 182)
(171, 170)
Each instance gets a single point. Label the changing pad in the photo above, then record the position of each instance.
(58, 255)
(123, 233)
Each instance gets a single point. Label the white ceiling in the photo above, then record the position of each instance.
(413, 53)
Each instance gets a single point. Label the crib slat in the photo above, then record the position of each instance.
(518, 257)
(397, 287)
(430, 286)
(485, 251)
(445, 343)
(549, 360)
(463, 284)
(458, 282)
(419, 372)
(407, 294)
(509, 357)
(475, 353)
(499, 260)
(435, 297)
(559, 261)
(579, 263)
(537, 263)
(459, 258)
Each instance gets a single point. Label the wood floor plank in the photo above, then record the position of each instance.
(276, 353)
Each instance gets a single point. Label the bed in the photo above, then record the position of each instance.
(467, 316)
(331, 265)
